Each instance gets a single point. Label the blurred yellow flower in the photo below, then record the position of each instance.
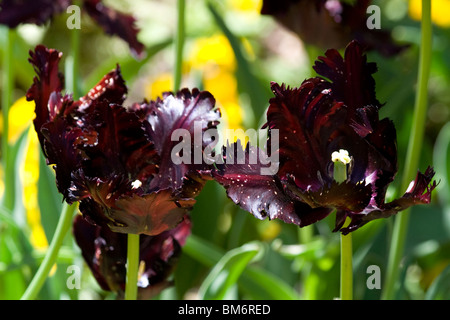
(246, 5)
(21, 115)
(30, 177)
(214, 59)
(161, 83)
(209, 53)
(232, 114)
(222, 84)
(440, 11)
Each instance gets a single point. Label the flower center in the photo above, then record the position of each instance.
(340, 159)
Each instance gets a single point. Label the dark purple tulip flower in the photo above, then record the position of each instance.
(105, 252)
(113, 22)
(337, 112)
(116, 161)
(331, 23)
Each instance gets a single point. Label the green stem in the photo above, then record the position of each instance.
(63, 227)
(132, 267)
(179, 44)
(346, 285)
(414, 150)
(346, 279)
(8, 76)
(73, 64)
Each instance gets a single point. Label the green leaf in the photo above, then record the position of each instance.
(441, 163)
(247, 80)
(12, 179)
(227, 271)
(49, 199)
(6, 217)
(257, 282)
(440, 288)
(263, 285)
(15, 247)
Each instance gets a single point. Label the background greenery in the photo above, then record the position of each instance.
(234, 52)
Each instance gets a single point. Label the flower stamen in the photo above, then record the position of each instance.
(340, 159)
(136, 184)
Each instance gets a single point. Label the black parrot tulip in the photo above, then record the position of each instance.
(337, 110)
(113, 22)
(332, 23)
(115, 160)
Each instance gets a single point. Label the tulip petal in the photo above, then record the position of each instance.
(189, 112)
(419, 192)
(117, 23)
(15, 12)
(105, 252)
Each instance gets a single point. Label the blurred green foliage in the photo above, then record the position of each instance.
(230, 254)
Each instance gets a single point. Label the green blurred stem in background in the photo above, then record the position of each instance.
(72, 65)
(413, 153)
(7, 92)
(63, 227)
(179, 44)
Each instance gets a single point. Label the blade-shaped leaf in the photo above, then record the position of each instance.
(440, 288)
(227, 271)
(258, 282)
(247, 79)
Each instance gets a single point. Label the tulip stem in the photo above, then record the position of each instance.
(414, 151)
(346, 285)
(132, 267)
(179, 44)
(64, 224)
(341, 159)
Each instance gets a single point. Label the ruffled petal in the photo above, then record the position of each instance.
(350, 77)
(110, 89)
(149, 214)
(308, 120)
(179, 122)
(419, 192)
(105, 252)
(48, 80)
(344, 196)
(331, 24)
(122, 146)
(15, 12)
(259, 193)
(116, 23)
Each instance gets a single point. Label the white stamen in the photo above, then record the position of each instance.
(136, 184)
(341, 156)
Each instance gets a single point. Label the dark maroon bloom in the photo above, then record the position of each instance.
(15, 12)
(113, 22)
(331, 23)
(324, 115)
(114, 160)
(105, 252)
